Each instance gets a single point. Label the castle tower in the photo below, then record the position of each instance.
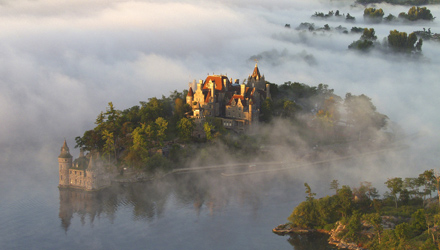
(190, 97)
(256, 80)
(65, 162)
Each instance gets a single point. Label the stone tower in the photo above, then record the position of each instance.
(65, 162)
(190, 97)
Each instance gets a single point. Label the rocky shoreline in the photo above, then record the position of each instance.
(388, 222)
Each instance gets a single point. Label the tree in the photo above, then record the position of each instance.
(369, 34)
(161, 127)
(109, 146)
(344, 199)
(361, 45)
(395, 185)
(437, 184)
(353, 227)
(376, 221)
(334, 185)
(309, 193)
(208, 128)
(400, 41)
(427, 179)
(373, 14)
(266, 110)
(185, 127)
(402, 231)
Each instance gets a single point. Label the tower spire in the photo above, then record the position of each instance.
(65, 153)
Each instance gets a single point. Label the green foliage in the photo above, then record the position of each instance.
(266, 110)
(353, 228)
(357, 30)
(361, 45)
(309, 193)
(416, 226)
(344, 199)
(390, 18)
(395, 185)
(334, 185)
(208, 130)
(185, 127)
(417, 13)
(349, 17)
(373, 14)
(369, 34)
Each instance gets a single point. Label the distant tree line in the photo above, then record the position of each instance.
(396, 42)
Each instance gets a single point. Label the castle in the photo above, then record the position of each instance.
(83, 173)
(237, 105)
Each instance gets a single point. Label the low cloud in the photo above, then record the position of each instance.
(62, 62)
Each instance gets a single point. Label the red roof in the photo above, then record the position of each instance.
(190, 92)
(217, 80)
(235, 98)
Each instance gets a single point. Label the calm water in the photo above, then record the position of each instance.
(191, 211)
(186, 211)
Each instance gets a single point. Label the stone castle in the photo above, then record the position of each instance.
(237, 105)
(83, 173)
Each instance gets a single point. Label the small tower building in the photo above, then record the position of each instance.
(65, 162)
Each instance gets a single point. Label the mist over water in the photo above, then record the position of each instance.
(62, 62)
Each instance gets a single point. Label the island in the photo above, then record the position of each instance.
(221, 116)
(407, 217)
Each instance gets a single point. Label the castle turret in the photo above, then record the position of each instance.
(190, 97)
(65, 162)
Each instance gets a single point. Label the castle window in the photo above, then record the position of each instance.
(61, 177)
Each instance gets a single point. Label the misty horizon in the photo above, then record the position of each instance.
(63, 62)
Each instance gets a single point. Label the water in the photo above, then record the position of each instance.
(202, 210)
(186, 211)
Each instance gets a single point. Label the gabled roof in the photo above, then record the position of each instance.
(217, 80)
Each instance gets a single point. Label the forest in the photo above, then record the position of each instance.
(158, 134)
(406, 217)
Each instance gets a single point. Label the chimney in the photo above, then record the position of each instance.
(225, 84)
(242, 89)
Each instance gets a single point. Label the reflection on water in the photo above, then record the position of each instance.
(315, 241)
(203, 201)
(147, 200)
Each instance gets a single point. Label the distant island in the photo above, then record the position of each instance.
(356, 218)
(189, 127)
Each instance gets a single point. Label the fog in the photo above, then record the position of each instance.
(61, 62)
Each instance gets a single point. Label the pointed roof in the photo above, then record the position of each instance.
(190, 92)
(65, 153)
(256, 72)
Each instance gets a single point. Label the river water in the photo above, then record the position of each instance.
(203, 210)
(181, 211)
